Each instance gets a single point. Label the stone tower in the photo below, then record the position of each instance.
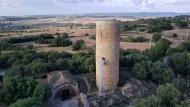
(107, 54)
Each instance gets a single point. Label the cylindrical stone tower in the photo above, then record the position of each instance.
(107, 49)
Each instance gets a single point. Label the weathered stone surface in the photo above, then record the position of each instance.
(107, 46)
(138, 89)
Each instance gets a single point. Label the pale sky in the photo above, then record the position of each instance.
(41, 7)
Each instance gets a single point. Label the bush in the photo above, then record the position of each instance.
(93, 37)
(80, 44)
(61, 41)
(42, 92)
(5, 45)
(17, 88)
(180, 63)
(137, 39)
(82, 63)
(30, 38)
(39, 68)
(169, 95)
(159, 50)
(175, 35)
(184, 46)
(28, 102)
(156, 37)
(142, 29)
(166, 96)
(180, 23)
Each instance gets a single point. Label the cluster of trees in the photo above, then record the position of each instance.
(30, 38)
(21, 87)
(179, 22)
(61, 41)
(156, 37)
(159, 50)
(158, 25)
(166, 96)
(167, 67)
(127, 26)
(30, 63)
(5, 45)
(154, 71)
(8, 44)
(24, 92)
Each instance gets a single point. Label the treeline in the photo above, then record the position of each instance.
(156, 25)
(62, 40)
(29, 38)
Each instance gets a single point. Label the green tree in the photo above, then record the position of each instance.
(184, 46)
(42, 92)
(28, 102)
(185, 103)
(169, 95)
(180, 63)
(141, 70)
(159, 50)
(156, 72)
(17, 88)
(39, 68)
(160, 73)
(80, 44)
(156, 37)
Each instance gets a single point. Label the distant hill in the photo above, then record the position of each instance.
(122, 14)
(140, 14)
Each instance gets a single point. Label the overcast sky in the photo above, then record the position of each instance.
(38, 7)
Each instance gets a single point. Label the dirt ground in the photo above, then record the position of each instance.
(182, 34)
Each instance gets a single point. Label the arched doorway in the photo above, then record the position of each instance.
(65, 93)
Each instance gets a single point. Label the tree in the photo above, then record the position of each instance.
(28, 102)
(159, 50)
(39, 68)
(80, 44)
(17, 88)
(156, 72)
(185, 46)
(61, 41)
(131, 56)
(180, 63)
(16, 70)
(42, 92)
(141, 70)
(185, 103)
(156, 37)
(82, 63)
(169, 95)
(166, 96)
(180, 23)
(160, 73)
(159, 24)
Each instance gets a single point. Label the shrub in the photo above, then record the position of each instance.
(80, 44)
(61, 41)
(156, 37)
(175, 35)
(93, 37)
(137, 39)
